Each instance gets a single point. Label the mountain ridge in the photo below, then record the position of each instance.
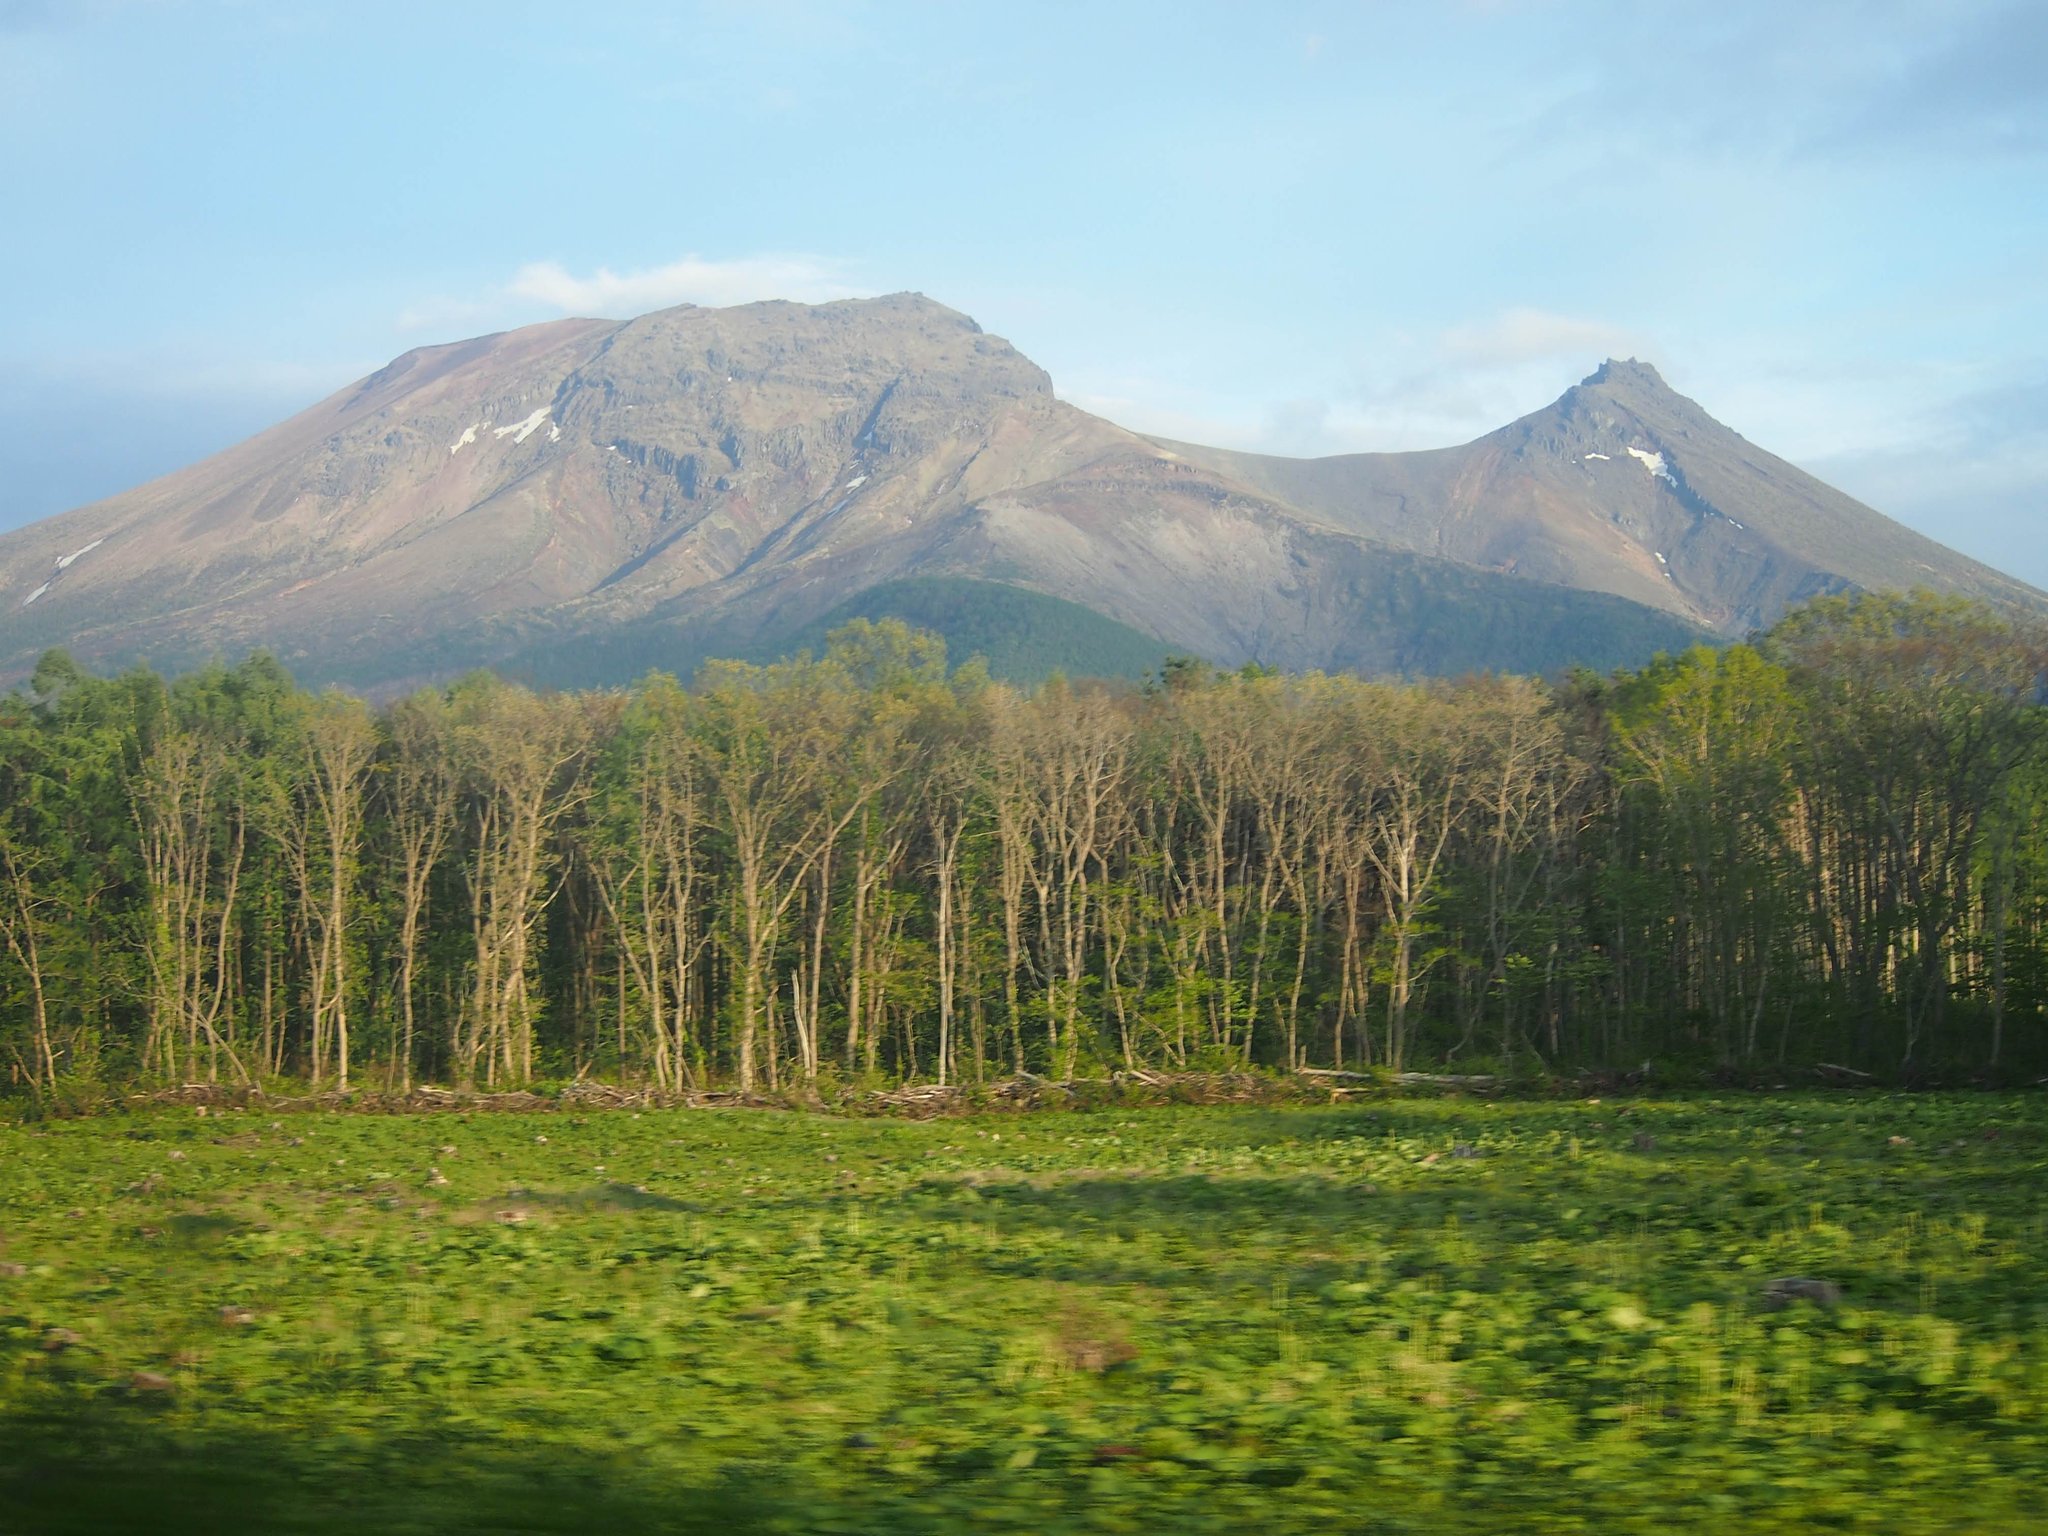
(737, 473)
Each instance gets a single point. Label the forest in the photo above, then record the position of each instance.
(1825, 846)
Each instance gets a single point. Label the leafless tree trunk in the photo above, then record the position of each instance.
(23, 915)
(183, 805)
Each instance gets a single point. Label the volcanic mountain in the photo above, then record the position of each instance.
(1625, 486)
(583, 499)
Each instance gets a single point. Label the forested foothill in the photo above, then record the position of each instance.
(1825, 850)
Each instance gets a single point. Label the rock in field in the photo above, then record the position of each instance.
(1783, 1292)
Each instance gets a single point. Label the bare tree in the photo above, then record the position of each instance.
(194, 839)
(1418, 785)
(27, 909)
(523, 758)
(320, 833)
(646, 857)
(421, 801)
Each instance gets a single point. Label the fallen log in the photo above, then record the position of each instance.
(1443, 1080)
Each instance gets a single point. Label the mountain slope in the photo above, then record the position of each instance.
(1624, 486)
(702, 481)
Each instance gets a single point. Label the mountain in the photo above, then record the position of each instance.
(1625, 486)
(583, 499)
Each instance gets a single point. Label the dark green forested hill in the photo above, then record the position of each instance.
(1024, 636)
(1416, 618)
(1428, 618)
(1413, 618)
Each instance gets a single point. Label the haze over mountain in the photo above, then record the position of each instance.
(582, 499)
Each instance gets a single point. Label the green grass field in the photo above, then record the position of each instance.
(1397, 1315)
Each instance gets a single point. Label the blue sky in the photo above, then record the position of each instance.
(1304, 228)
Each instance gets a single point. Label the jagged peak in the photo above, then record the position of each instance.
(1627, 370)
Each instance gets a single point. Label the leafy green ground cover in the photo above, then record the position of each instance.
(1397, 1315)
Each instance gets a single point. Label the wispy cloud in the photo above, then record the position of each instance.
(549, 287)
(447, 314)
(1431, 390)
(1972, 472)
(1423, 390)
(1517, 336)
(1979, 85)
(1151, 407)
(185, 370)
(1825, 81)
(692, 280)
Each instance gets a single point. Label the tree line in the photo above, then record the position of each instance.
(1827, 845)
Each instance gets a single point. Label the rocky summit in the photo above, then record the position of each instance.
(584, 499)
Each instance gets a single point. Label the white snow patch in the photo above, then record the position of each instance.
(611, 447)
(467, 438)
(65, 563)
(856, 482)
(1661, 560)
(520, 431)
(554, 432)
(1653, 462)
(1732, 520)
(39, 591)
(1598, 455)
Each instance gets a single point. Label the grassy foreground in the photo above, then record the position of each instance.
(1404, 1315)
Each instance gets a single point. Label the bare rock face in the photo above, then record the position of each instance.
(584, 470)
(734, 474)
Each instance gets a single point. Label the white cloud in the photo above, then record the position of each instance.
(450, 314)
(184, 369)
(1427, 390)
(692, 280)
(543, 288)
(1303, 426)
(1535, 335)
(1147, 411)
